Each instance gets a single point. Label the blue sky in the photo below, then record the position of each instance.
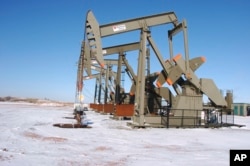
(40, 42)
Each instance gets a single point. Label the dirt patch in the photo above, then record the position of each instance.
(42, 138)
(5, 157)
(32, 135)
(114, 163)
(120, 162)
(70, 163)
(54, 139)
(168, 147)
(102, 148)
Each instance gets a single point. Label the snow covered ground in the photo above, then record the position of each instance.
(27, 137)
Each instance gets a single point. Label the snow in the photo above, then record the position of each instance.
(27, 136)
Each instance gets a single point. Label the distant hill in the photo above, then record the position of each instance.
(34, 101)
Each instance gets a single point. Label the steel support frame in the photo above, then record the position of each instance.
(140, 83)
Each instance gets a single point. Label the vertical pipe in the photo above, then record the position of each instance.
(100, 89)
(79, 82)
(118, 79)
(221, 117)
(148, 61)
(168, 111)
(184, 26)
(106, 84)
(95, 90)
(170, 43)
(149, 103)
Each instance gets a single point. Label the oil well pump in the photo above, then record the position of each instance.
(183, 95)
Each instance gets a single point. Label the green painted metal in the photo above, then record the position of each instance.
(241, 110)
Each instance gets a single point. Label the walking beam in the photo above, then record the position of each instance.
(137, 23)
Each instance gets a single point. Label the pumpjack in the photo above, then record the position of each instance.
(176, 84)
